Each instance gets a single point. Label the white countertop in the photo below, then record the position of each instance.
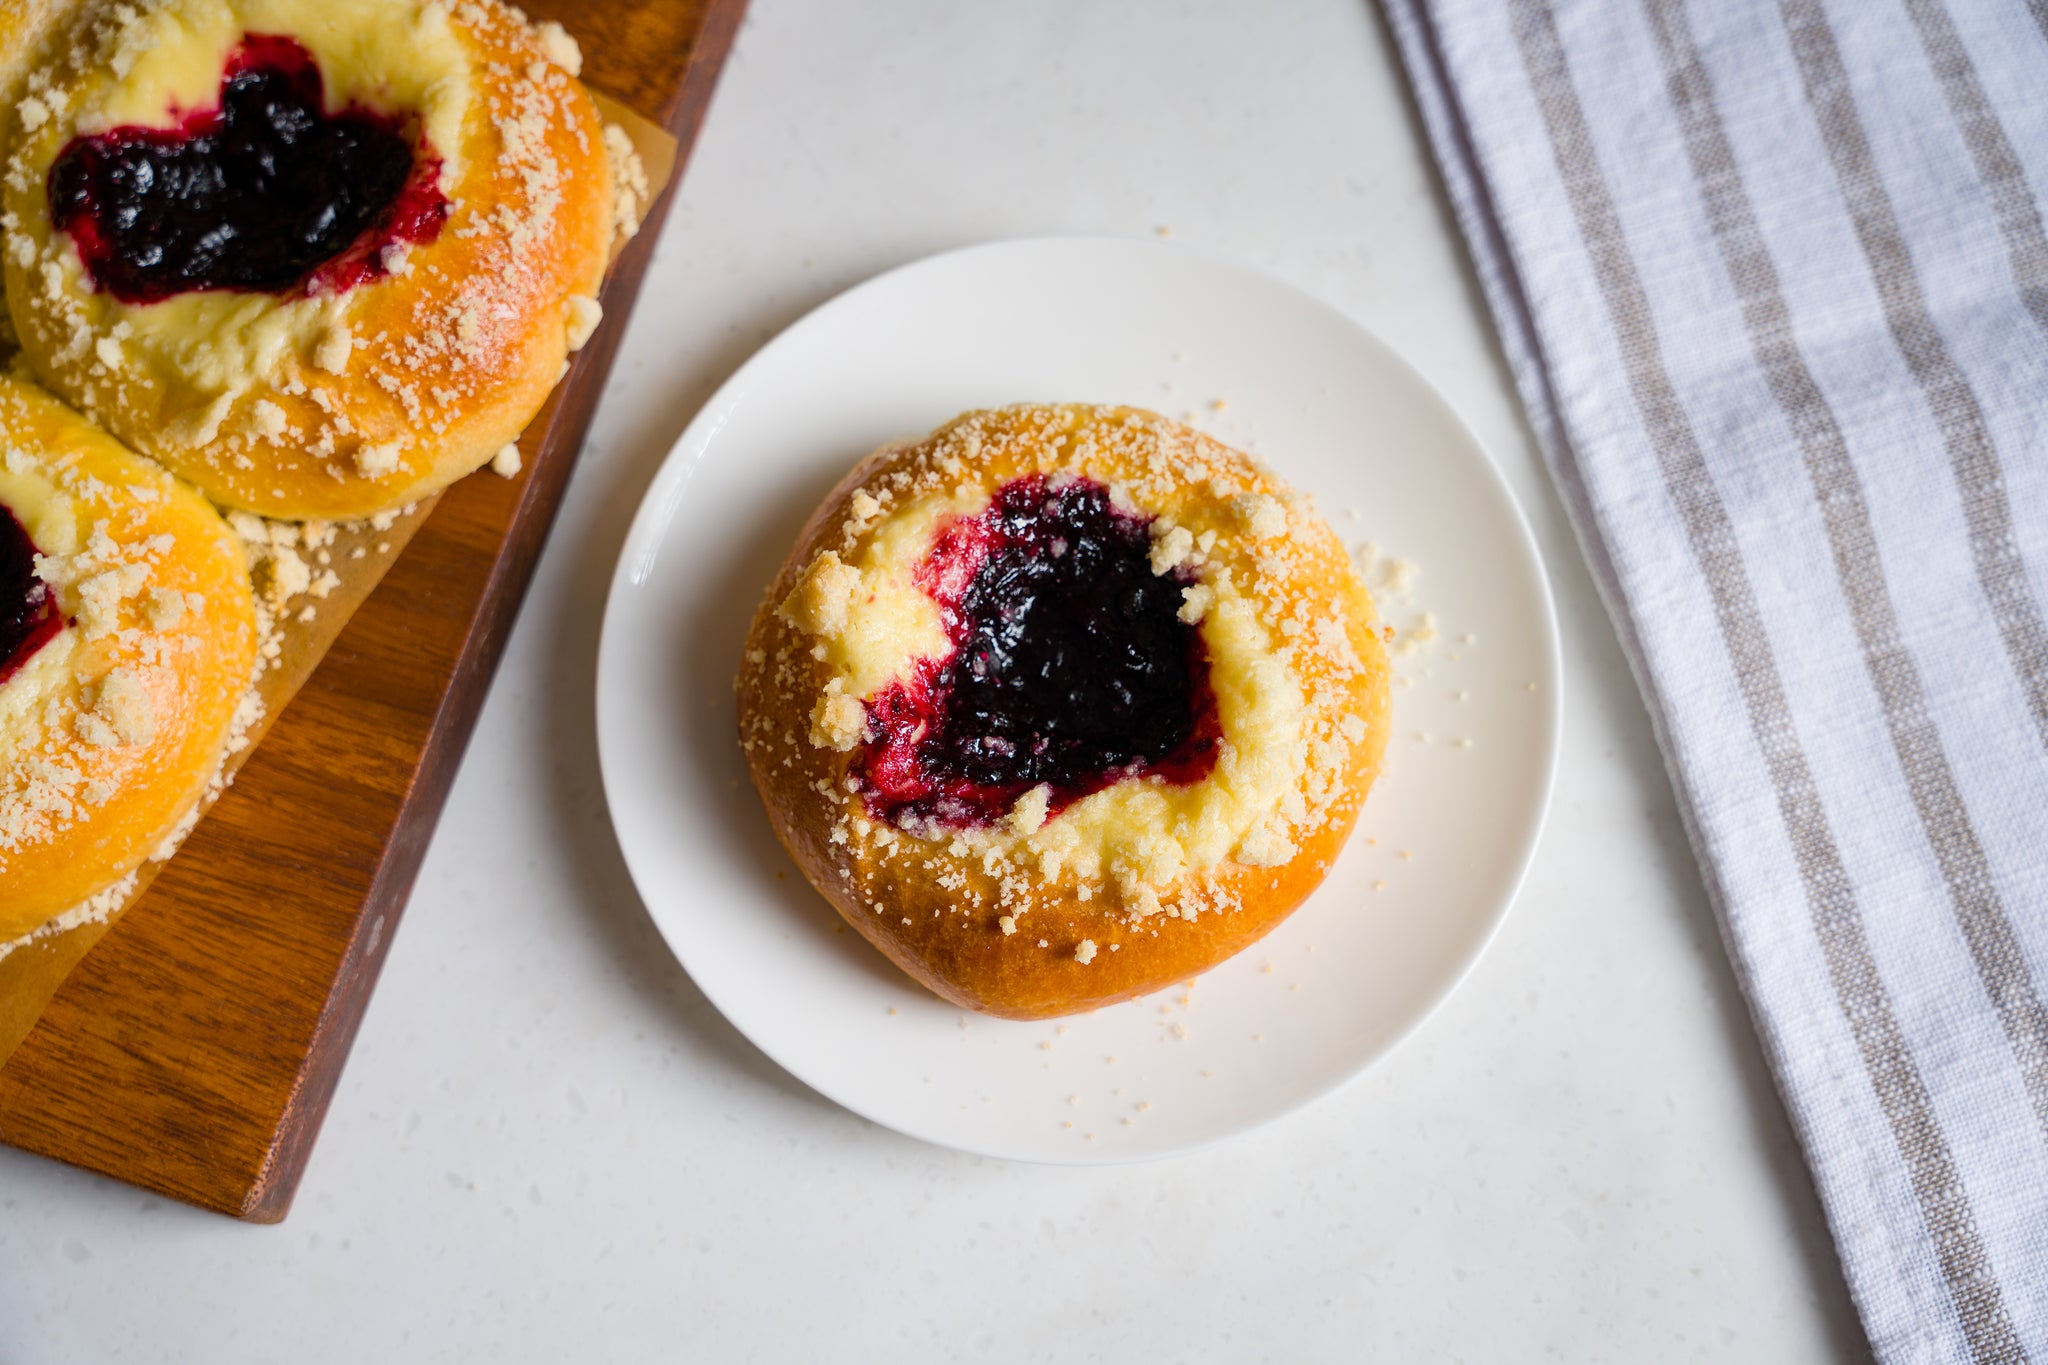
(548, 1146)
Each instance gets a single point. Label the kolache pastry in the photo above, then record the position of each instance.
(321, 259)
(1063, 704)
(128, 637)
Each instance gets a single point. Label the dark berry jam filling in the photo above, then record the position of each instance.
(29, 618)
(267, 193)
(1070, 665)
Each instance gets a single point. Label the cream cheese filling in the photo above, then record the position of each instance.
(394, 56)
(870, 623)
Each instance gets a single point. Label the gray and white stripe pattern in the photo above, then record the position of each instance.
(1773, 279)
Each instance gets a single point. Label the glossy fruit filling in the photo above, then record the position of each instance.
(268, 192)
(29, 618)
(1070, 665)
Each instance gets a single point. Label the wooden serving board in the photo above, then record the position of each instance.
(195, 1048)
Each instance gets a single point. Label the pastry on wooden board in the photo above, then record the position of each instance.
(365, 237)
(320, 259)
(1063, 704)
(128, 637)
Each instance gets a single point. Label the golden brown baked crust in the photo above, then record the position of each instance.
(24, 27)
(1150, 885)
(112, 732)
(349, 404)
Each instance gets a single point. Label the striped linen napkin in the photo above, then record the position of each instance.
(1773, 279)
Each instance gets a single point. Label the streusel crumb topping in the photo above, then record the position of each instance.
(1265, 583)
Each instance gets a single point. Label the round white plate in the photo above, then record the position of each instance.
(1444, 839)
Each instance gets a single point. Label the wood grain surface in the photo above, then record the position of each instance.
(195, 1049)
